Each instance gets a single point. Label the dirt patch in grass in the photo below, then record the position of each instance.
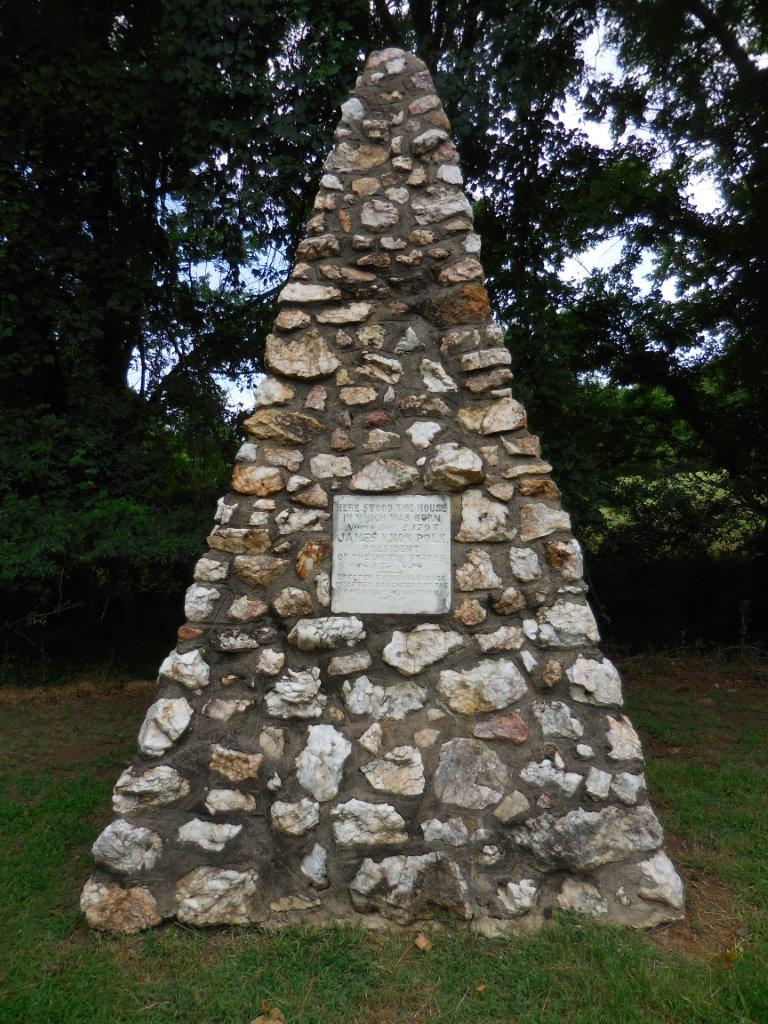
(81, 690)
(711, 929)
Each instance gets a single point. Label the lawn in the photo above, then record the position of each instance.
(705, 725)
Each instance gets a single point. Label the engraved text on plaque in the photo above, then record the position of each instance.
(391, 555)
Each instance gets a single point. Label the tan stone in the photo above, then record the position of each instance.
(287, 458)
(316, 398)
(502, 727)
(466, 269)
(109, 907)
(532, 467)
(539, 487)
(293, 602)
(504, 490)
(459, 307)
(312, 555)
(334, 272)
(311, 497)
(341, 441)
(291, 319)
(272, 392)
(306, 357)
(358, 395)
(509, 602)
(258, 480)
(453, 468)
(504, 414)
(259, 570)
(351, 314)
(470, 612)
(366, 186)
(487, 381)
(423, 405)
(477, 572)
(321, 245)
(552, 673)
(523, 444)
(239, 541)
(297, 291)
(539, 520)
(383, 476)
(380, 440)
(245, 609)
(284, 426)
(235, 765)
(355, 158)
(483, 358)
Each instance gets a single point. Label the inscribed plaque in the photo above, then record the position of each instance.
(391, 555)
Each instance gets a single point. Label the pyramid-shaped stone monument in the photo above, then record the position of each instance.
(387, 704)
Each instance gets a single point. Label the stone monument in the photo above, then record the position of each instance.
(387, 704)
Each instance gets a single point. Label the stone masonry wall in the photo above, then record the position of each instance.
(303, 766)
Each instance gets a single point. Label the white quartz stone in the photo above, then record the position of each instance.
(556, 719)
(482, 519)
(127, 848)
(294, 819)
(208, 570)
(435, 377)
(598, 783)
(314, 866)
(359, 823)
(453, 831)
(622, 739)
(189, 669)
(297, 695)
(422, 433)
(399, 771)
(320, 764)
(660, 882)
(165, 721)
(199, 603)
(216, 896)
(153, 787)
(364, 697)
(566, 624)
(546, 774)
(525, 564)
(489, 686)
(330, 467)
(628, 787)
(219, 801)
(410, 653)
(209, 835)
(595, 682)
(518, 897)
(371, 738)
(326, 634)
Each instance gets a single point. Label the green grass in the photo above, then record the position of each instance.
(708, 757)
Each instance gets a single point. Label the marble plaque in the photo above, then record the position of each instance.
(391, 555)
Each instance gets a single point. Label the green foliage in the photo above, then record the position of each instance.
(158, 160)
